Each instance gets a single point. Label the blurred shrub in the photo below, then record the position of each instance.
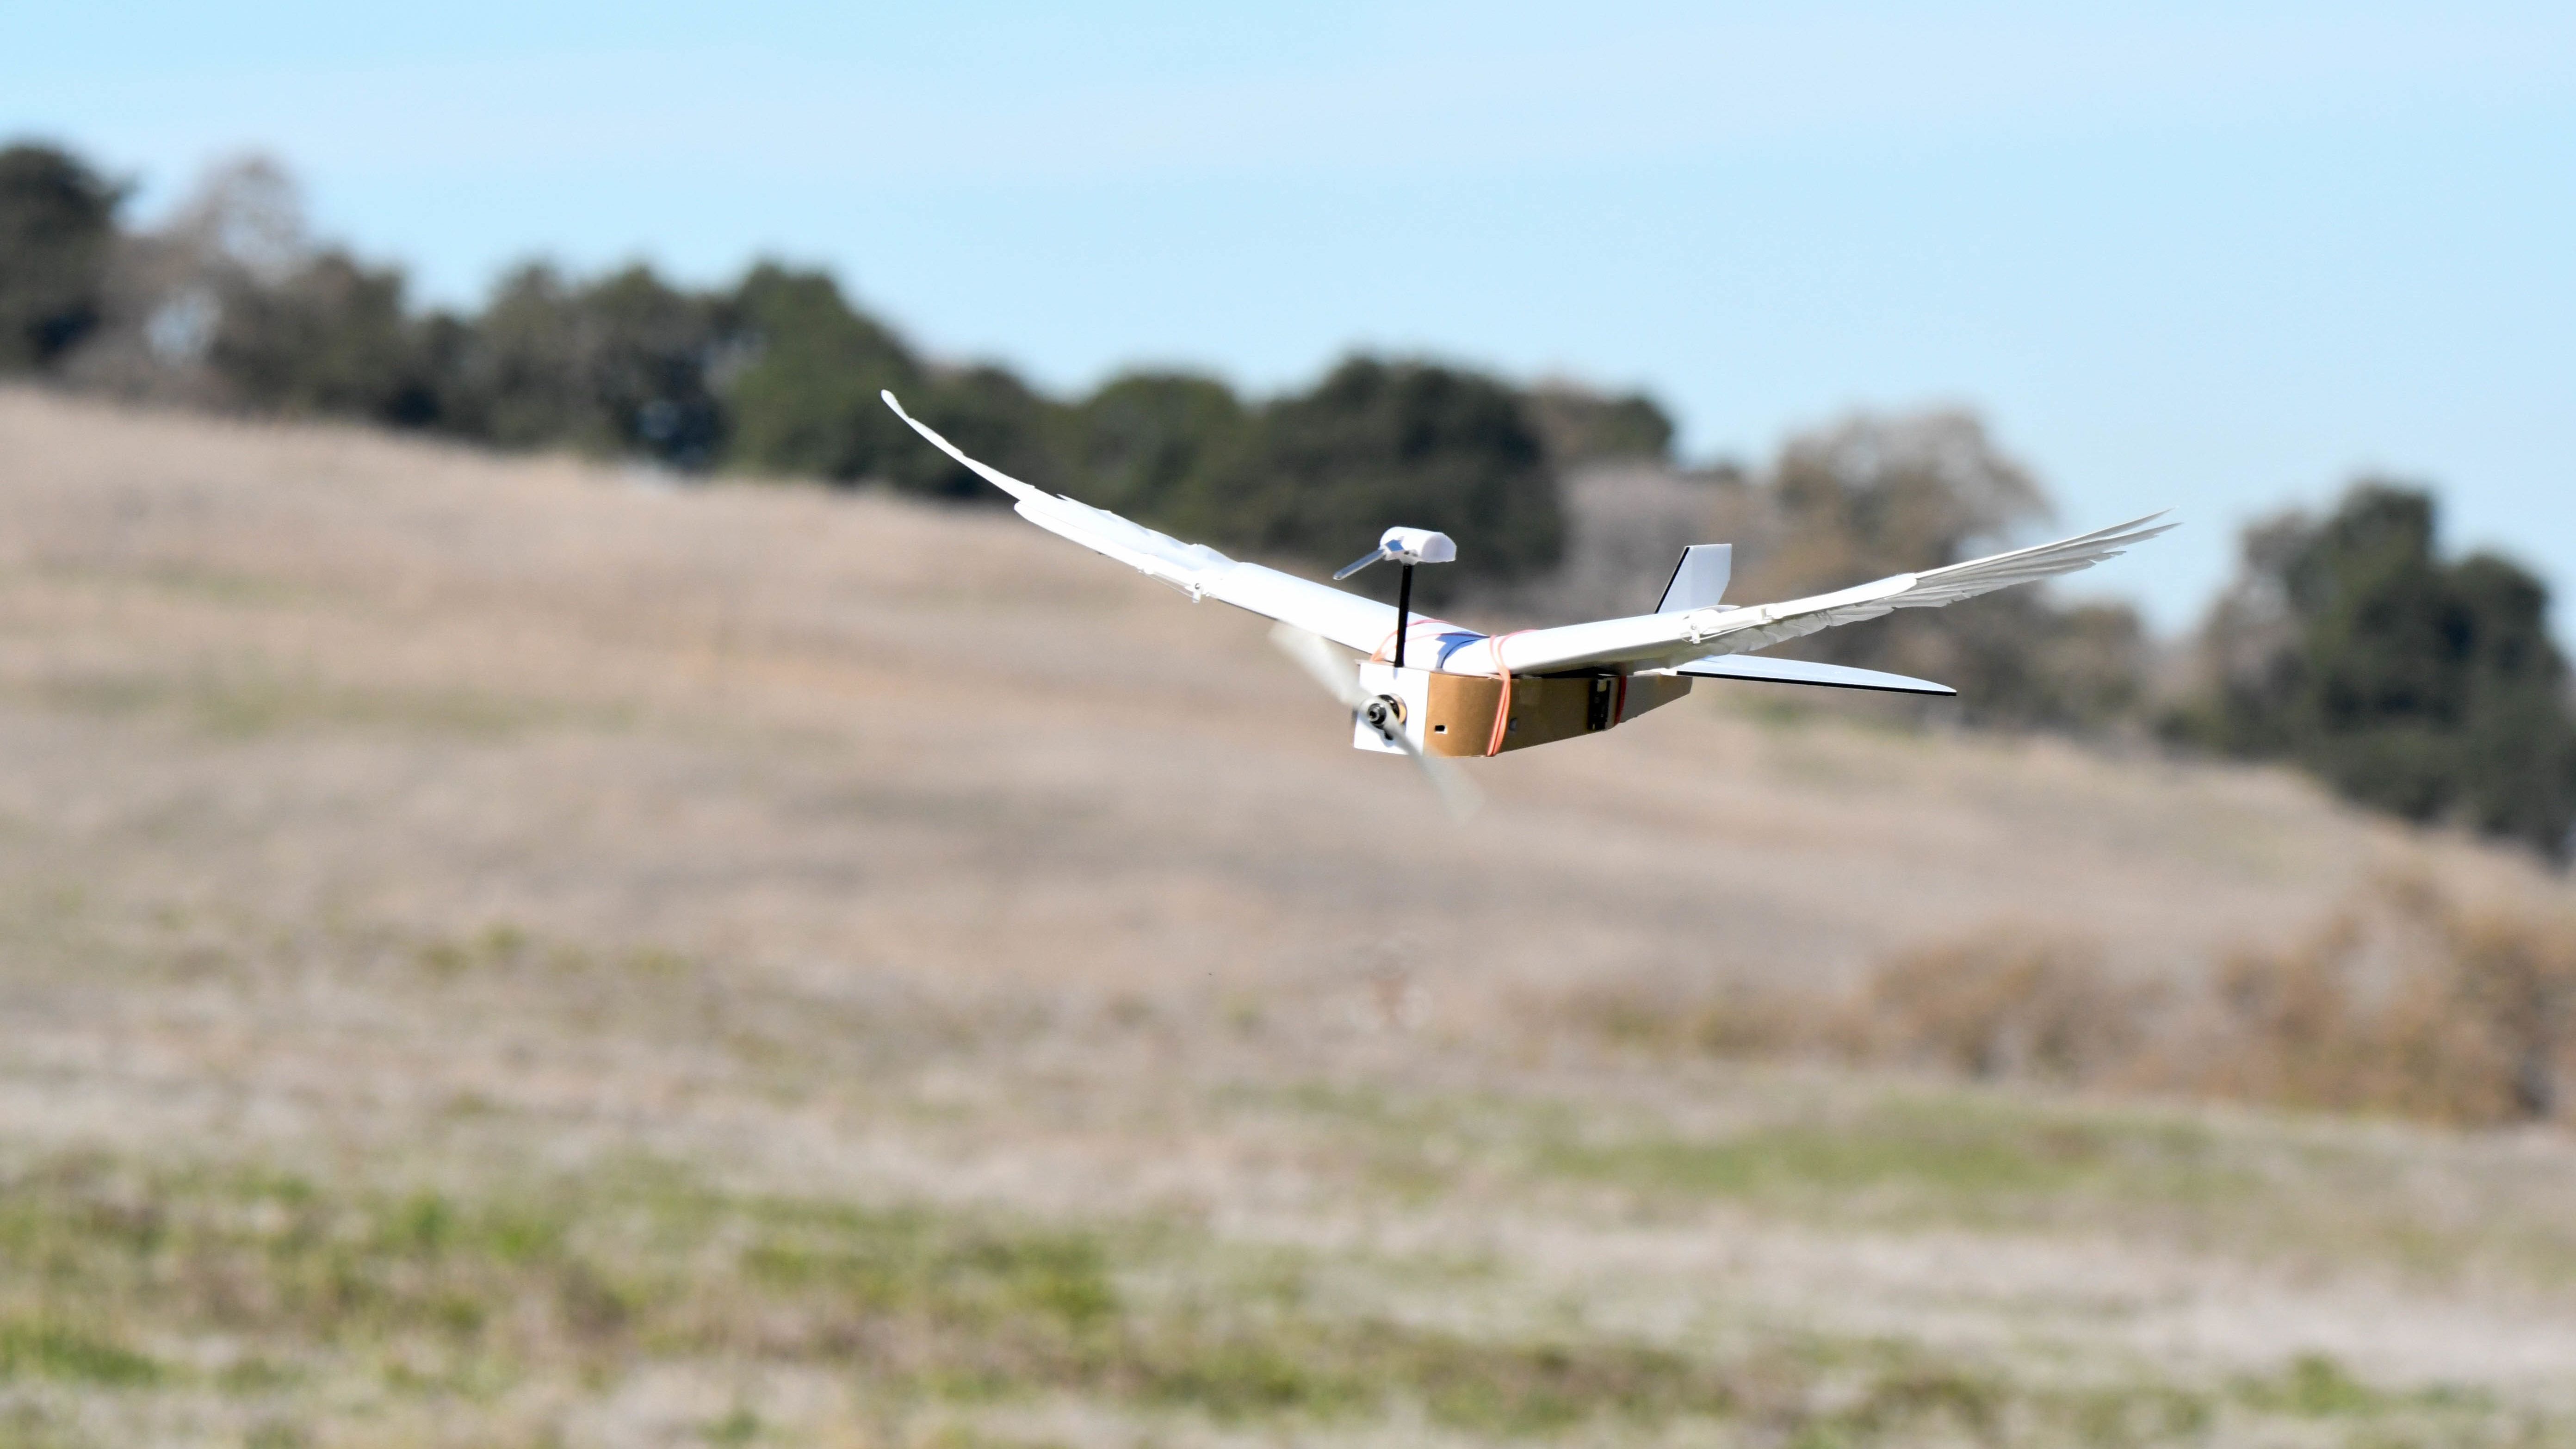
(2007, 1002)
(2426, 688)
(1734, 1018)
(2409, 1002)
(57, 226)
(2406, 1003)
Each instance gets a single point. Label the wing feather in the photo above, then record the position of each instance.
(1193, 568)
(1658, 640)
(1932, 588)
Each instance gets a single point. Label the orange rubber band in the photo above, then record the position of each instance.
(1503, 706)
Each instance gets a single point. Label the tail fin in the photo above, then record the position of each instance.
(1699, 580)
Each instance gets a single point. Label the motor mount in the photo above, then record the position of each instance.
(1384, 714)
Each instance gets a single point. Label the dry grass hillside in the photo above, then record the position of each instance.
(513, 952)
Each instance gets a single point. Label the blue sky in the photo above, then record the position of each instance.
(2214, 256)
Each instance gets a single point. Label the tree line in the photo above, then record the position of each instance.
(228, 304)
(2413, 682)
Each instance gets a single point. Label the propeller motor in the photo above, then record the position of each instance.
(1383, 713)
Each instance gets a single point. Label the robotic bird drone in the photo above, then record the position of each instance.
(1475, 694)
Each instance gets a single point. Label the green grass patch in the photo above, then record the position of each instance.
(1955, 1160)
(46, 1349)
(1905, 1154)
(2294, 1193)
(2316, 1386)
(457, 1297)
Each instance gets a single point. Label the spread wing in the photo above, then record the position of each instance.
(1194, 569)
(1691, 641)
(1665, 640)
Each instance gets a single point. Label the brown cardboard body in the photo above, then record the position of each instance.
(1460, 716)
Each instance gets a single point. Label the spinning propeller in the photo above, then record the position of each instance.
(1383, 713)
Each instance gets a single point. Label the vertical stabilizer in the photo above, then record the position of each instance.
(1699, 580)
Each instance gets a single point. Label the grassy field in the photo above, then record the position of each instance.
(511, 952)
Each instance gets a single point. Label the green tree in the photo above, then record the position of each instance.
(1321, 473)
(801, 395)
(331, 339)
(2426, 688)
(511, 374)
(1141, 440)
(802, 389)
(651, 349)
(620, 365)
(57, 228)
